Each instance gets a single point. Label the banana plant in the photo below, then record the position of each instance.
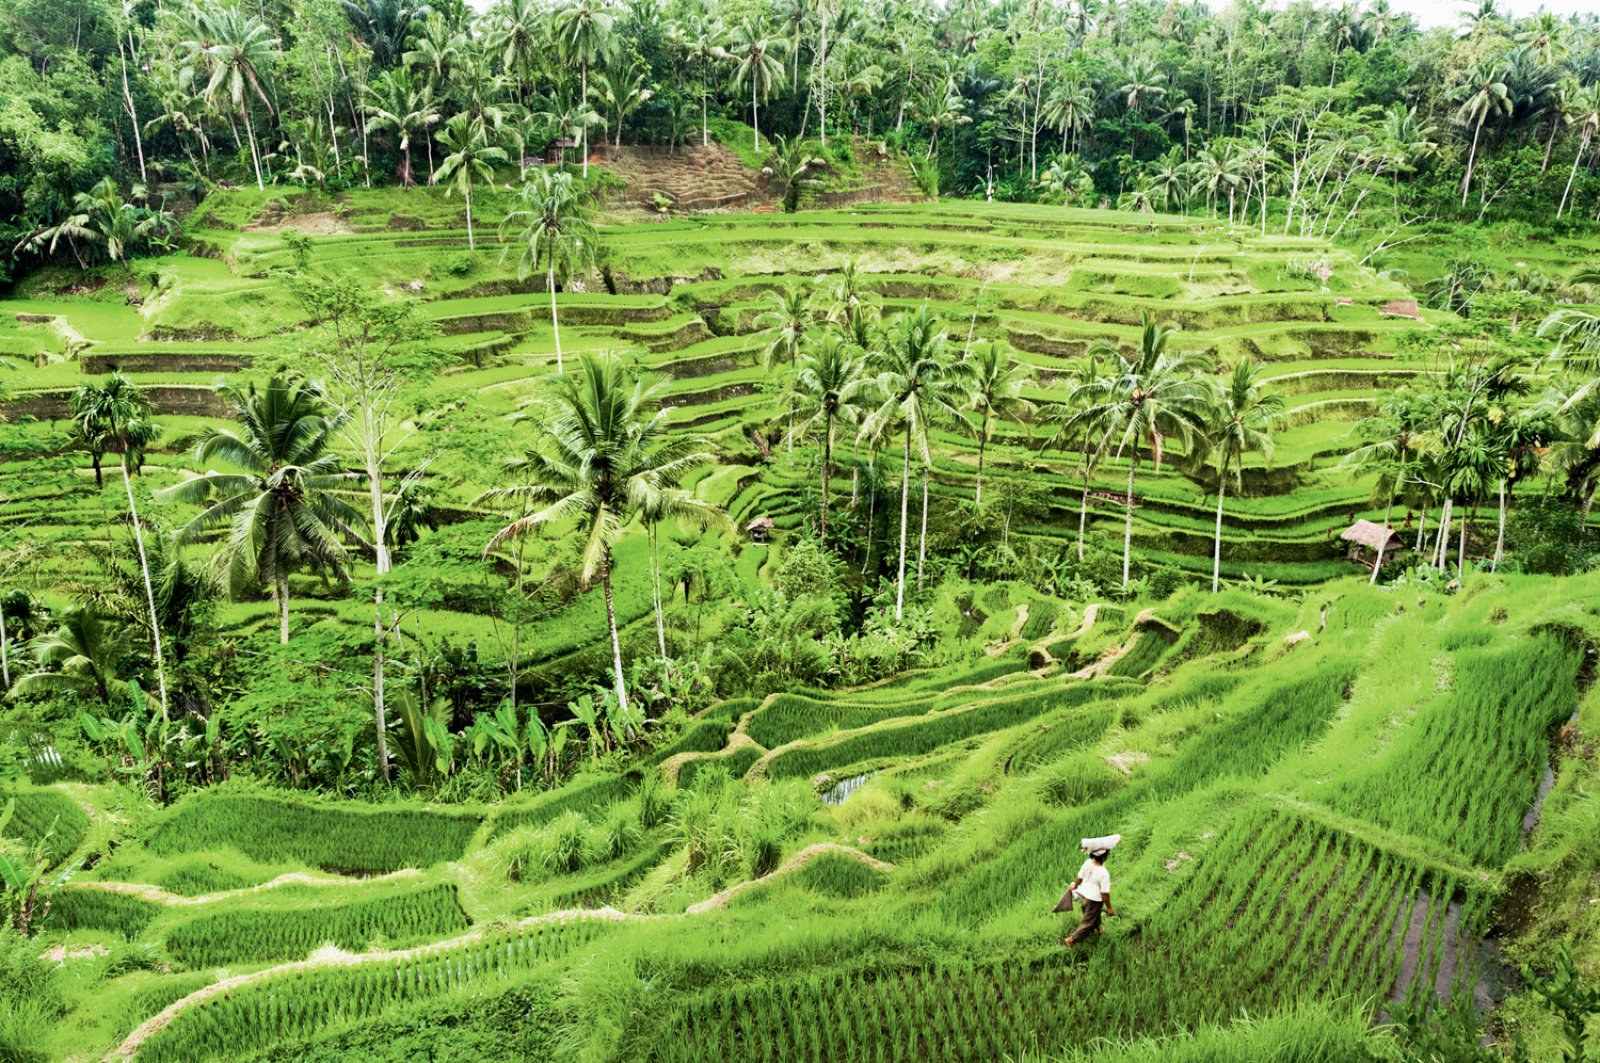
(24, 871)
(587, 712)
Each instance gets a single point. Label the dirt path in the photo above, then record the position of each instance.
(789, 867)
(157, 895)
(152, 1026)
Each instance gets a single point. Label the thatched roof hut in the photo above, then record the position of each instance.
(1371, 536)
(760, 528)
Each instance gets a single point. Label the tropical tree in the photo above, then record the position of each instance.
(471, 159)
(291, 503)
(623, 90)
(994, 382)
(829, 386)
(1395, 434)
(553, 229)
(118, 417)
(1583, 110)
(1481, 95)
(383, 26)
(583, 30)
(395, 101)
(1082, 417)
(239, 50)
(101, 216)
(756, 65)
(82, 656)
(788, 171)
(603, 454)
(1149, 395)
(1239, 420)
(914, 383)
(786, 319)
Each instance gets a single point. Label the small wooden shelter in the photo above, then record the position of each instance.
(1370, 541)
(759, 529)
(555, 152)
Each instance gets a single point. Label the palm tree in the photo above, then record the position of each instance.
(1394, 431)
(555, 230)
(624, 90)
(383, 26)
(518, 36)
(118, 416)
(289, 505)
(1239, 420)
(240, 51)
(785, 321)
(395, 101)
(1149, 395)
(86, 651)
(940, 108)
(1143, 82)
(1583, 110)
(994, 382)
(848, 296)
(1083, 419)
(583, 30)
(1482, 94)
(756, 64)
(1071, 108)
(829, 386)
(604, 454)
(471, 159)
(102, 216)
(788, 171)
(913, 380)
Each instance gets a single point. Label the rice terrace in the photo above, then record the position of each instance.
(799, 530)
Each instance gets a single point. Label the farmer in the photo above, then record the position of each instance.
(1093, 887)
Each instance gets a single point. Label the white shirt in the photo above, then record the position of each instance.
(1096, 881)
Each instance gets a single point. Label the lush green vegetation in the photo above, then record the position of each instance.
(533, 529)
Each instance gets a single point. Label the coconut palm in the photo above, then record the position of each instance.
(583, 30)
(994, 382)
(1482, 94)
(554, 230)
(291, 504)
(118, 417)
(1071, 108)
(471, 159)
(1142, 83)
(239, 51)
(1583, 110)
(81, 656)
(395, 101)
(1239, 420)
(914, 382)
(518, 36)
(604, 454)
(1083, 419)
(623, 90)
(784, 322)
(756, 65)
(829, 386)
(1392, 452)
(1149, 395)
(383, 26)
(788, 171)
(848, 296)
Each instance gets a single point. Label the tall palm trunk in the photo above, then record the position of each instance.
(905, 513)
(1461, 552)
(1083, 512)
(1216, 553)
(1442, 550)
(1377, 565)
(383, 564)
(1583, 147)
(149, 591)
(471, 244)
(555, 323)
(616, 643)
(1422, 527)
(281, 592)
(1127, 528)
(827, 463)
(755, 115)
(983, 442)
(655, 593)
(1466, 179)
(255, 156)
(583, 101)
(1500, 534)
(922, 536)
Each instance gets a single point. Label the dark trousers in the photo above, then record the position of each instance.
(1090, 924)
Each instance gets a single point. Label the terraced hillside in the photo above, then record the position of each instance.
(1317, 823)
(685, 297)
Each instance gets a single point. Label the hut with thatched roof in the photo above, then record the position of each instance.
(1370, 543)
(759, 529)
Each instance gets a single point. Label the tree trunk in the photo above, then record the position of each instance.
(827, 462)
(99, 477)
(1127, 529)
(1500, 535)
(1378, 564)
(1466, 179)
(1583, 146)
(922, 536)
(149, 591)
(616, 643)
(5, 653)
(905, 514)
(1441, 553)
(705, 124)
(255, 157)
(471, 245)
(281, 592)
(983, 442)
(655, 594)
(127, 99)
(755, 114)
(1461, 552)
(383, 564)
(1216, 553)
(1422, 525)
(583, 130)
(1083, 513)
(555, 324)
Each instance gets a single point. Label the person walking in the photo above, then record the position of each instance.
(1093, 888)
